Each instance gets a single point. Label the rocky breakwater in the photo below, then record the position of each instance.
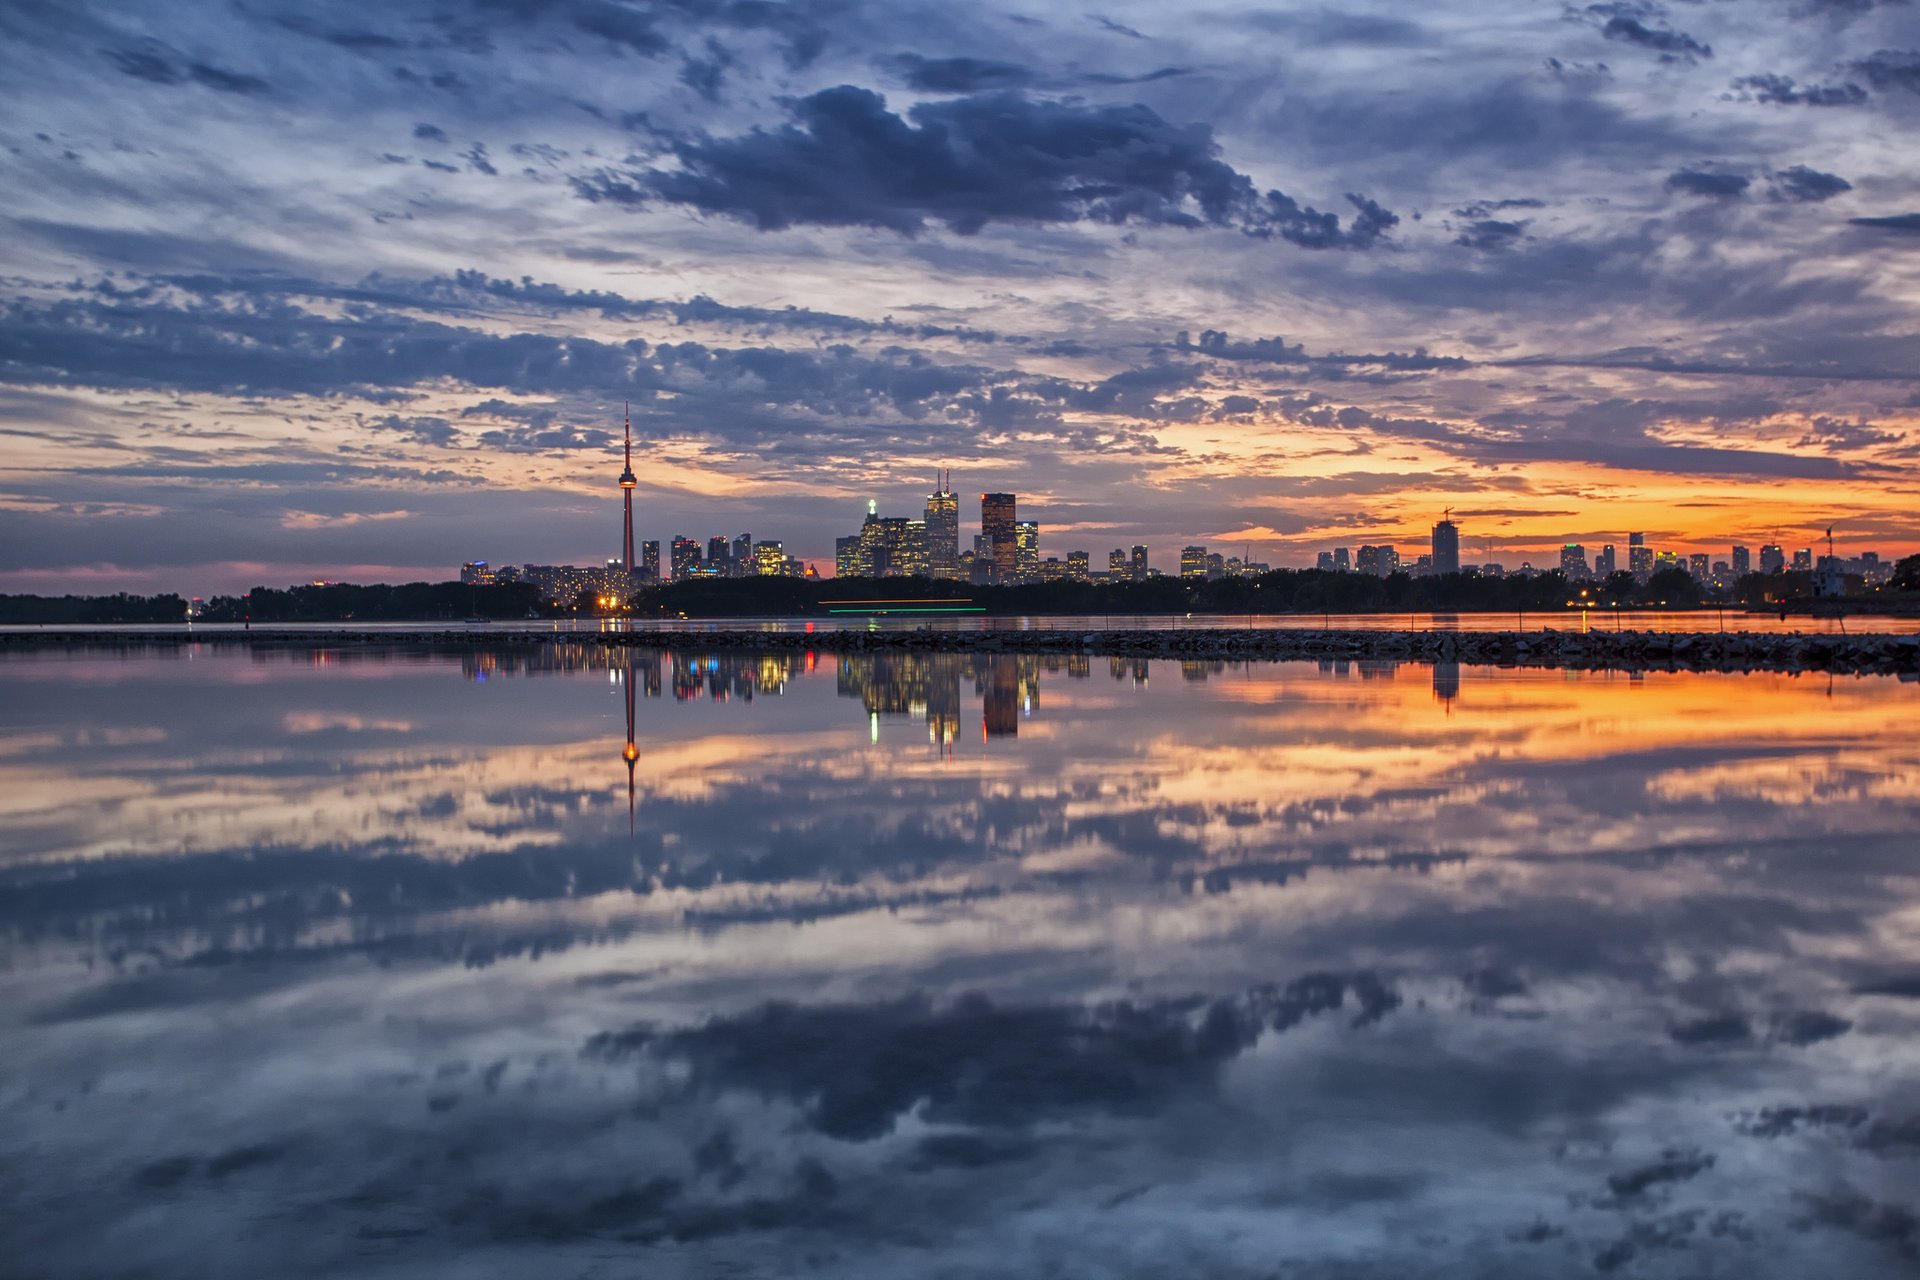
(1735, 651)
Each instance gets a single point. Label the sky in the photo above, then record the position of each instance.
(358, 291)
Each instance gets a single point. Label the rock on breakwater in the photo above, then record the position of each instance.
(1733, 651)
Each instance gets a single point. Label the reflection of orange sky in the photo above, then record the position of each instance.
(1237, 761)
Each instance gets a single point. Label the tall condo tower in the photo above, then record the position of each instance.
(996, 523)
(1446, 545)
(943, 530)
(627, 482)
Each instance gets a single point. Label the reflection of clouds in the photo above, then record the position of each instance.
(1274, 970)
(323, 721)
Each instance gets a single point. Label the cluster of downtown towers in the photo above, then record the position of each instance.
(1007, 551)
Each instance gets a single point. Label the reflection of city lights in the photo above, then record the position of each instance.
(873, 726)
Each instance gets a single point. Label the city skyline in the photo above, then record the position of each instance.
(291, 298)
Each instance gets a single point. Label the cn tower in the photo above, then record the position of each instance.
(627, 482)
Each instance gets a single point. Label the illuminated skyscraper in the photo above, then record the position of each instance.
(1139, 563)
(1742, 562)
(1605, 564)
(769, 559)
(743, 555)
(1639, 556)
(650, 559)
(1573, 561)
(1697, 565)
(1117, 564)
(627, 482)
(943, 532)
(996, 526)
(720, 556)
(1026, 551)
(1193, 562)
(1446, 545)
(686, 557)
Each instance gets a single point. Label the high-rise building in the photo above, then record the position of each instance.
(887, 547)
(1137, 563)
(720, 557)
(1193, 562)
(743, 554)
(1079, 566)
(1772, 559)
(1742, 564)
(627, 483)
(1639, 557)
(770, 559)
(997, 519)
(1573, 561)
(943, 532)
(1324, 562)
(1367, 561)
(1803, 560)
(475, 573)
(1026, 551)
(1446, 547)
(1604, 564)
(1342, 563)
(1117, 564)
(650, 560)
(685, 554)
(1699, 565)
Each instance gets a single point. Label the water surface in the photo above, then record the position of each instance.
(371, 963)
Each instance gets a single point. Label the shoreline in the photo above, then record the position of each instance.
(1731, 651)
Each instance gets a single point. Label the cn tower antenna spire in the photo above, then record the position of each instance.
(627, 482)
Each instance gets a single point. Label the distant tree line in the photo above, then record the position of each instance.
(93, 610)
(1281, 591)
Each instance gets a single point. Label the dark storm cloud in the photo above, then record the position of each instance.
(1845, 1209)
(1778, 1122)
(263, 345)
(857, 1068)
(1673, 1166)
(1708, 182)
(1803, 184)
(1892, 69)
(1645, 25)
(1490, 234)
(1906, 222)
(157, 63)
(960, 75)
(1783, 91)
(846, 160)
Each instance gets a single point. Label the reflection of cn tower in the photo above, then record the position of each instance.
(627, 482)
(632, 753)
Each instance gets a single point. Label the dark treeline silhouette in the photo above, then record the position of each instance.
(1281, 591)
(407, 602)
(26, 610)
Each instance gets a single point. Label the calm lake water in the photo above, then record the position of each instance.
(407, 964)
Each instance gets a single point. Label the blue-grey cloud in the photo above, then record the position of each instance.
(155, 62)
(846, 160)
(1643, 24)
(1708, 182)
(1783, 91)
(1804, 184)
(1903, 222)
(1891, 69)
